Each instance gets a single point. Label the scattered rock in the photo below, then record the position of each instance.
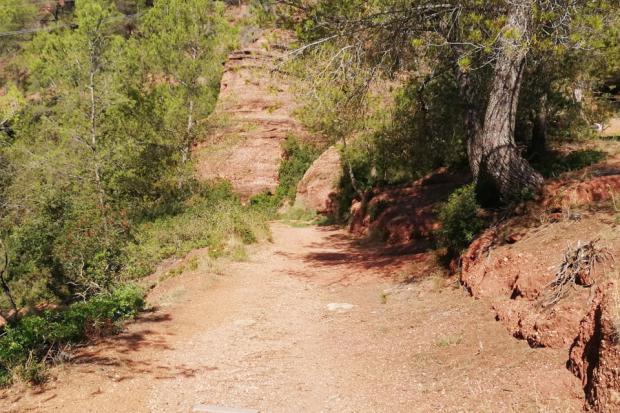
(202, 408)
(340, 307)
(513, 238)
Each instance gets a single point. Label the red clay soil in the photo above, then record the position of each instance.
(595, 354)
(255, 115)
(406, 214)
(260, 335)
(512, 264)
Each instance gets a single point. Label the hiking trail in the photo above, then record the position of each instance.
(258, 334)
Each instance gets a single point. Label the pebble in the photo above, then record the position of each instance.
(340, 307)
(244, 322)
(202, 408)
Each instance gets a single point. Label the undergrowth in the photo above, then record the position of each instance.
(555, 163)
(214, 218)
(37, 339)
(459, 219)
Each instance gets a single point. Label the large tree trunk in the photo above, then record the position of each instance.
(493, 155)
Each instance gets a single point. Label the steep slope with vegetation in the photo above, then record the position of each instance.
(99, 110)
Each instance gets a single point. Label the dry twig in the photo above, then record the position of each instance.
(576, 269)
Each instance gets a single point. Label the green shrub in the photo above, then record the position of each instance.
(298, 157)
(459, 219)
(25, 345)
(266, 203)
(377, 209)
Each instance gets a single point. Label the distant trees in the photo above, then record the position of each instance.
(184, 40)
(15, 15)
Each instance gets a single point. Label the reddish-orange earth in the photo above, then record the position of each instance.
(405, 214)
(513, 263)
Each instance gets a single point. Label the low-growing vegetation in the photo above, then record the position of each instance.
(213, 218)
(39, 338)
(555, 164)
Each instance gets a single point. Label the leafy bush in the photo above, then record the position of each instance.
(459, 219)
(298, 157)
(26, 345)
(377, 208)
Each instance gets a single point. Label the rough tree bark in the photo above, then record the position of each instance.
(538, 145)
(493, 155)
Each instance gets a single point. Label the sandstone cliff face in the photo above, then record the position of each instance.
(255, 114)
(318, 189)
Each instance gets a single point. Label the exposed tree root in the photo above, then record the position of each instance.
(576, 269)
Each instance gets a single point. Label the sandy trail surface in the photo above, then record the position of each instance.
(260, 335)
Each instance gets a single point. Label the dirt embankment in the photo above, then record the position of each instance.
(514, 263)
(406, 214)
(254, 114)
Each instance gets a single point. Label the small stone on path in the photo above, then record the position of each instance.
(244, 322)
(203, 408)
(340, 307)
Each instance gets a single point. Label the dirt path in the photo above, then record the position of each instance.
(260, 336)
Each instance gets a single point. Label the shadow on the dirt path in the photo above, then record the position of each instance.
(115, 351)
(357, 259)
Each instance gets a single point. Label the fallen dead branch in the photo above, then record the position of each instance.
(576, 269)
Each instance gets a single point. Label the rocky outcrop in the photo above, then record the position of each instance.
(254, 115)
(318, 189)
(595, 353)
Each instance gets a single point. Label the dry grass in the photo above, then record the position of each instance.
(614, 308)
